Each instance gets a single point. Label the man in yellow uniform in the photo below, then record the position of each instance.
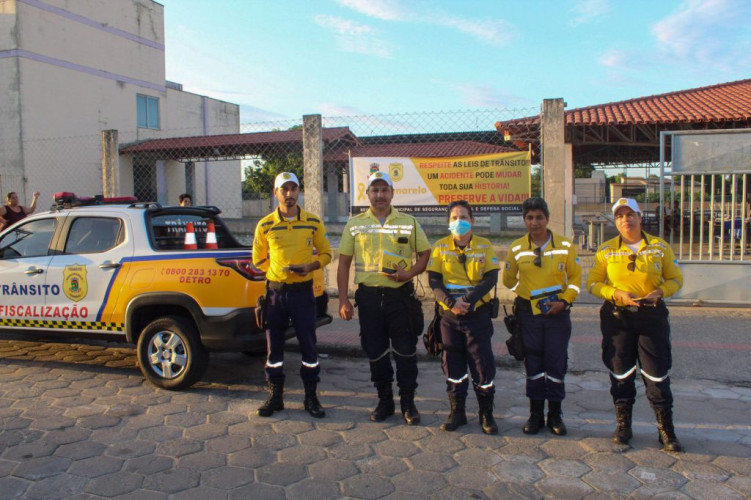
(283, 247)
(634, 272)
(382, 241)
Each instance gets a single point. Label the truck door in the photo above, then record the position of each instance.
(87, 270)
(24, 260)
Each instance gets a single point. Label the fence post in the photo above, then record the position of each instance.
(558, 193)
(312, 143)
(110, 166)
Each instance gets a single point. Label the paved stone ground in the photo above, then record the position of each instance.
(79, 421)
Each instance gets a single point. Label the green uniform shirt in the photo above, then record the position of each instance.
(365, 239)
(277, 243)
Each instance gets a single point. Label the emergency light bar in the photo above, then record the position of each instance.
(67, 199)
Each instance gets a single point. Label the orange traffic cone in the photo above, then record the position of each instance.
(190, 237)
(210, 237)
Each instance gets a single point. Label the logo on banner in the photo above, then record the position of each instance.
(373, 168)
(75, 285)
(396, 171)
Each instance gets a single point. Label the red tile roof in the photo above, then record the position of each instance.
(239, 141)
(723, 102)
(429, 149)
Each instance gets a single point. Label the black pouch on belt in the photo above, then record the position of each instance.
(260, 312)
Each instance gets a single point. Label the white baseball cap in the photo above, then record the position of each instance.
(285, 177)
(380, 176)
(627, 202)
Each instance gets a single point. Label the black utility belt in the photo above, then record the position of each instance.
(478, 310)
(645, 306)
(290, 287)
(406, 289)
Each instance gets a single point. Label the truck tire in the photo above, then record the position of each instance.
(170, 354)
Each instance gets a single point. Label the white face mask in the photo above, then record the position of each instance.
(460, 227)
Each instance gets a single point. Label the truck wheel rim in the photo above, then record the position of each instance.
(167, 355)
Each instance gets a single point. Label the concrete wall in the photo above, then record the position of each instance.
(11, 156)
(77, 70)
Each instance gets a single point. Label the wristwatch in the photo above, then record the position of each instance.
(566, 305)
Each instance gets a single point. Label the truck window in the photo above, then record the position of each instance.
(168, 231)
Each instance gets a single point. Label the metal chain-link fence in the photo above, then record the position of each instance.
(233, 166)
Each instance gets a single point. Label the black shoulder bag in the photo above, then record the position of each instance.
(515, 343)
(432, 337)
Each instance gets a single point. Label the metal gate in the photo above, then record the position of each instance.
(705, 211)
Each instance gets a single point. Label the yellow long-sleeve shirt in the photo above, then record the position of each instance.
(559, 265)
(479, 258)
(655, 266)
(279, 242)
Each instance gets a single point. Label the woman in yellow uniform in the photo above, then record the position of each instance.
(543, 269)
(634, 272)
(462, 271)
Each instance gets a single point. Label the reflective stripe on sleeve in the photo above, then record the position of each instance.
(574, 287)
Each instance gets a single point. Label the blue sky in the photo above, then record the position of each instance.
(280, 59)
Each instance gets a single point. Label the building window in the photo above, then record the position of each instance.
(147, 111)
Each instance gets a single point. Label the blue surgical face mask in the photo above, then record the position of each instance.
(460, 227)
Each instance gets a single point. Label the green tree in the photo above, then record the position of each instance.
(536, 181)
(260, 174)
(583, 171)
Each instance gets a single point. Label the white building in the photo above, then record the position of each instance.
(71, 69)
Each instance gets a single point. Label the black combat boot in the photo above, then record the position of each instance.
(458, 416)
(485, 402)
(555, 419)
(666, 430)
(385, 406)
(536, 419)
(623, 434)
(409, 410)
(311, 404)
(275, 401)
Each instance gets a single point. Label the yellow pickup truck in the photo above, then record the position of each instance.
(121, 270)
